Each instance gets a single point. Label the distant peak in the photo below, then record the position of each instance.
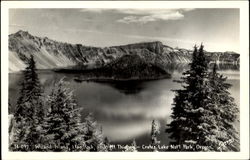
(22, 33)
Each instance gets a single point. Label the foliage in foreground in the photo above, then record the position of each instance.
(204, 113)
(29, 111)
(59, 128)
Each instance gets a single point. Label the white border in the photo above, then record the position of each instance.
(244, 81)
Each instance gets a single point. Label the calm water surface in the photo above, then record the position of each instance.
(124, 110)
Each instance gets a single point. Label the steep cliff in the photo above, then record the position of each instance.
(53, 54)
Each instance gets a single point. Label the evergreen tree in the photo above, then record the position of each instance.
(223, 113)
(132, 148)
(107, 143)
(154, 133)
(93, 137)
(197, 108)
(30, 92)
(29, 110)
(19, 134)
(188, 101)
(63, 130)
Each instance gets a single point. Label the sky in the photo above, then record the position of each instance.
(218, 29)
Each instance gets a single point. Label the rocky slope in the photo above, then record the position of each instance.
(53, 54)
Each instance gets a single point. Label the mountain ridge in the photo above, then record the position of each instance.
(51, 54)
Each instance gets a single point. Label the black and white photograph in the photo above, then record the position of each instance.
(124, 79)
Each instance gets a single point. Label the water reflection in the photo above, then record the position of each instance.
(126, 87)
(124, 110)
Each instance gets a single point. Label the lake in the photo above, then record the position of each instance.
(124, 110)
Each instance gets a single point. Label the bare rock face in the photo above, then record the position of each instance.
(53, 54)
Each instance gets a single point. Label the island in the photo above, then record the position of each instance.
(130, 67)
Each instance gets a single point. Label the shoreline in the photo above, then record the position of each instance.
(107, 79)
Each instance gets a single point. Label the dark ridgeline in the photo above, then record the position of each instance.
(203, 111)
(51, 54)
